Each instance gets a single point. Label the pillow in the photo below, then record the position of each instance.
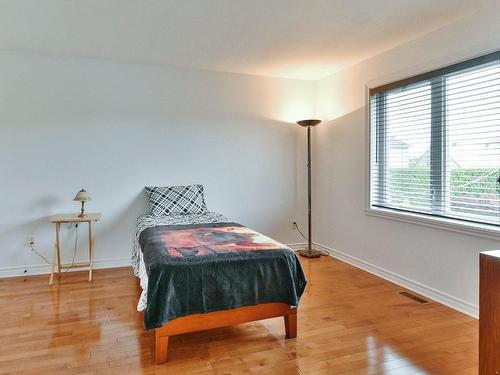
(174, 200)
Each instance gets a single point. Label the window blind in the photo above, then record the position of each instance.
(435, 142)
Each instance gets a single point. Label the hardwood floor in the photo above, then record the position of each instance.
(349, 322)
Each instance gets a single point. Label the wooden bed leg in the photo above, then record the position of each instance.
(161, 349)
(291, 325)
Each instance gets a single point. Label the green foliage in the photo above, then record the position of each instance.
(474, 181)
(411, 186)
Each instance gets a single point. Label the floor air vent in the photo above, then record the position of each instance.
(414, 297)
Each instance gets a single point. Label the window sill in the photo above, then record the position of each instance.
(479, 230)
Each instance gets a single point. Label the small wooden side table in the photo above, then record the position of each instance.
(91, 219)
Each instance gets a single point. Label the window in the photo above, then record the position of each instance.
(435, 143)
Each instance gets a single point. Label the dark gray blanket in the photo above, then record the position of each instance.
(219, 266)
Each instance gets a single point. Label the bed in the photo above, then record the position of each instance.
(202, 271)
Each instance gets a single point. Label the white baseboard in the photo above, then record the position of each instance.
(296, 245)
(42, 269)
(424, 290)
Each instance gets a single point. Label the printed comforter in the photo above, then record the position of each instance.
(204, 267)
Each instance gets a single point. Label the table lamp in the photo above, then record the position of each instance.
(82, 196)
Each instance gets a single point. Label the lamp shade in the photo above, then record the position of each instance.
(309, 122)
(82, 196)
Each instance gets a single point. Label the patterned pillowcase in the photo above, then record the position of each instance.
(174, 200)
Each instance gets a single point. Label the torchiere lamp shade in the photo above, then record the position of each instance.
(310, 122)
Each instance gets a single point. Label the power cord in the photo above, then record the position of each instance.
(298, 229)
(33, 248)
(296, 226)
(74, 253)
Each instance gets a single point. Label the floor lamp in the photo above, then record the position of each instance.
(309, 252)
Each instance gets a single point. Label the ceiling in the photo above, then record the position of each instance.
(306, 39)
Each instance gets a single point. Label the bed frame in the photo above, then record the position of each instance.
(216, 319)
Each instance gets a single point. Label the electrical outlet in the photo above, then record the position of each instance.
(31, 241)
(294, 225)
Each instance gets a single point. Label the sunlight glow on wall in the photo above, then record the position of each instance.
(296, 104)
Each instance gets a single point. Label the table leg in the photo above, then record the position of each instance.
(53, 265)
(58, 248)
(91, 248)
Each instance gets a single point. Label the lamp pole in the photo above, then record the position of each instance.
(309, 252)
(309, 193)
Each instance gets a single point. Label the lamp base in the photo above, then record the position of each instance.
(310, 253)
(82, 211)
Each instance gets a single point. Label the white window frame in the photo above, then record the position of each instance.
(454, 225)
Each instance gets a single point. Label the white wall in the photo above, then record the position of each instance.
(115, 127)
(434, 258)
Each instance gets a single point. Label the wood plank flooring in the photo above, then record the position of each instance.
(349, 322)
